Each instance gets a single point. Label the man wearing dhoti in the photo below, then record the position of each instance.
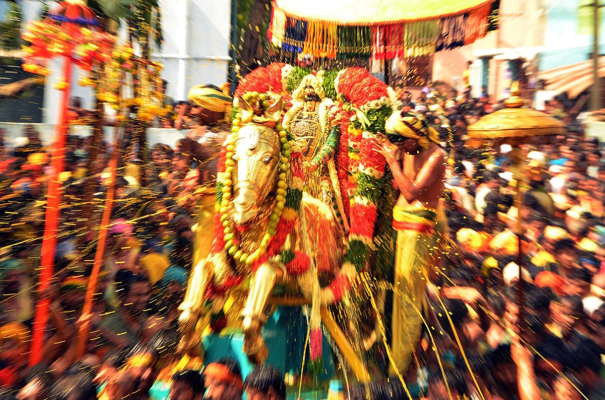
(419, 176)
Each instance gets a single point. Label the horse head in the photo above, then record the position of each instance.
(257, 156)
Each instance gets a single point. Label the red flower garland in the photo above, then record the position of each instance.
(349, 78)
(358, 87)
(370, 157)
(364, 217)
(275, 81)
(299, 264)
(257, 81)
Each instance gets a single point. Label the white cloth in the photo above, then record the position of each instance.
(470, 168)
(511, 273)
(591, 304)
(110, 114)
(480, 203)
(593, 171)
(465, 200)
(557, 183)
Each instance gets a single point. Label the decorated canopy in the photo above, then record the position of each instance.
(379, 28)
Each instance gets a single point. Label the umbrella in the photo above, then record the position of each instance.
(515, 126)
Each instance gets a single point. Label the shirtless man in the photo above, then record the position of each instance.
(419, 178)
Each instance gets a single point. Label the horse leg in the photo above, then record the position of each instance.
(254, 317)
(193, 317)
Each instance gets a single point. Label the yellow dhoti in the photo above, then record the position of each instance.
(416, 242)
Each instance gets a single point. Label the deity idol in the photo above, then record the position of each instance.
(310, 123)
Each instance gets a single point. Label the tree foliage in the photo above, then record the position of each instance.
(252, 24)
(143, 18)
(10, 29)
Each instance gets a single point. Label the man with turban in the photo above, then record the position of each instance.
(420, 180)
(203, 146)
(212, 109)
(223, 380)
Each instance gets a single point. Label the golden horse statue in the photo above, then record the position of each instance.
(254, 191)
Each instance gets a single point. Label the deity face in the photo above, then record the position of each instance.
(311, 99)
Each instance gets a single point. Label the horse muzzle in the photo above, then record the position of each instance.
(245, 205)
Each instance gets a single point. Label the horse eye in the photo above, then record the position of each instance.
(267, 159)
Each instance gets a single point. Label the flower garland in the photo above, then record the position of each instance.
(84, 47)
(359, 88)
(257, 81)
(288, 199)
(296, 76)
(146, 77)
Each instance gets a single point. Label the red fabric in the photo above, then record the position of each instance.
(412, 226)
(218, 244)
(340, 286)
(362, 220)
(299, 265)
(551, 280)
(388, 41)
(8, 377)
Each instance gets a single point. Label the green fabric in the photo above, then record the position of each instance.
(10, 265)
(427, 214)
(329, 148)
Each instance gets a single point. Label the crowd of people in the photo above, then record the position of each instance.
(549, 347)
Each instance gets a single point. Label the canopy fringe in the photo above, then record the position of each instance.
(387, 39)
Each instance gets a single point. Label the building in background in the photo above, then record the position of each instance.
(195, 51)
(536, 39)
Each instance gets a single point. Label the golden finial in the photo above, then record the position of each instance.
(515, 100)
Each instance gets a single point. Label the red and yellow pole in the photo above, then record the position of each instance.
(98, 262)
(52, 216)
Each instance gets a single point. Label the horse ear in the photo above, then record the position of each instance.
(273, 113)
(245, 110)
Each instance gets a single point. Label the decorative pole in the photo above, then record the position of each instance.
(49, 240)
(98, 262)
(64, 33)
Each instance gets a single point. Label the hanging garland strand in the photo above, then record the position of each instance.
(324, 39)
